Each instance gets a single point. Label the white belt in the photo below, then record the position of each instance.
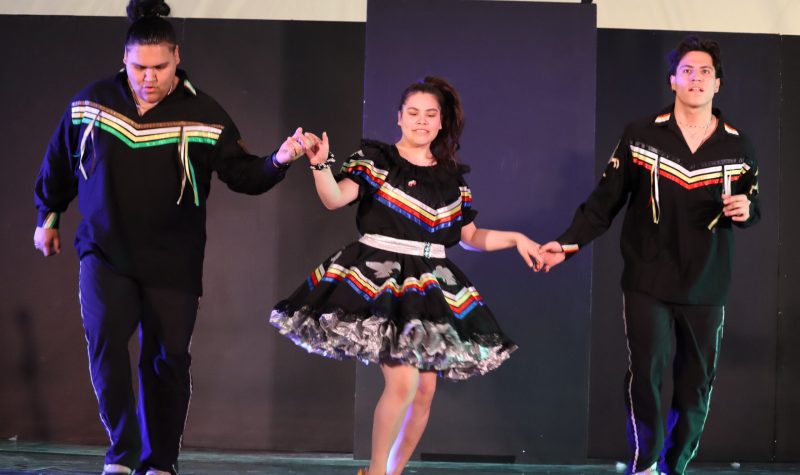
(403, 246)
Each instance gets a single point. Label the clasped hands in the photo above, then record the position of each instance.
(300, 143)
(736, 207)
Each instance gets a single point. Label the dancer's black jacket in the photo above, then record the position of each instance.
(675, 245)
(143, 201)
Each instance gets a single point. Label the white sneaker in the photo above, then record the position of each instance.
(653, 470)
(115, 469)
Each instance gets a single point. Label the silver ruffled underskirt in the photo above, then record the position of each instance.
(426, 345)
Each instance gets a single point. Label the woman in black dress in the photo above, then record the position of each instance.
(392, 297)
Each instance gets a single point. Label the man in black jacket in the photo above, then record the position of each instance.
(688, 177)
(138, 151)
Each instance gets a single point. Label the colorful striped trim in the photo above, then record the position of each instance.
(462, 303)
(367, 170)
(137, 135)
(688, 179)
(731, 130)
(570, 248)
(466, 196)
(663, 118)
(189, 87)
(315, 277)
(51, 220)
(430, 219)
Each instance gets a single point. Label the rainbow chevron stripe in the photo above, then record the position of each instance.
(136, 135)
(430, 219)
(688, 179)
(462, 303)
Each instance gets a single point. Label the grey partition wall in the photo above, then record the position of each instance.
(787, 413)
(525, 72)
(632, 83)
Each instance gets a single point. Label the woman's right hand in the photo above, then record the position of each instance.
(316, 149)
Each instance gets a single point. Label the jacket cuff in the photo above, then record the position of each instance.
(48, 219)
(570, 249)
(273, 164)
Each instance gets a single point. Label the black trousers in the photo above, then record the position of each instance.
(650, 326)
(147, 434)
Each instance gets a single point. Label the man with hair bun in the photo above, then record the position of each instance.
(138, 150)
(688, 177)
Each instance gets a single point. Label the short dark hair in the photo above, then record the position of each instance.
(695, 43)
(148, 26)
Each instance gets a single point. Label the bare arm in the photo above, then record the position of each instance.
(475, 238)
(333, 194)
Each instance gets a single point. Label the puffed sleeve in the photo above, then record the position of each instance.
(369, 167)
(468, 213)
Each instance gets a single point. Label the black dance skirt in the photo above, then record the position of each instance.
(379, 306)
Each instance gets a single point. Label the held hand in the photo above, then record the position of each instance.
(528, 249)
(291, 148)
(552, 254)
(736, 207)
(47, 241)
(317, 152)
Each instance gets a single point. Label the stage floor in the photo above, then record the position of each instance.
(27, 458)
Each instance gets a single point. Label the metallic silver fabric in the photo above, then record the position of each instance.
(422, 344)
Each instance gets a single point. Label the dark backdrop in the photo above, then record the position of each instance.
(254, 389)
(787, 414)
(525, 72)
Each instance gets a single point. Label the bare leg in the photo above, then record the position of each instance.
(400, 386)
(414, 425)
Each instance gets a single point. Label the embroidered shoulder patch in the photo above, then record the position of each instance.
(663, 118)
(731, 130)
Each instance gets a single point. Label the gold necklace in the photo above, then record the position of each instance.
(697, 134)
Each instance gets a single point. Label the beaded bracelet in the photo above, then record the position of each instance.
(326, 164)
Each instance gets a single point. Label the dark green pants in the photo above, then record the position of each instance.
(650, 327)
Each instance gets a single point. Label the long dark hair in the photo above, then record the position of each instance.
(446, 143)
(148, 26)
(695, 43)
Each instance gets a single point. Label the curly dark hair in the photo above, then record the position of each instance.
(148, 25)
(446, 143)
(695, 43)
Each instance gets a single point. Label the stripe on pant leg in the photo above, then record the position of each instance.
(630, 388)
(710, 390)
(89, 357)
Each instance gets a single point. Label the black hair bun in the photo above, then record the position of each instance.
(147, 8)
